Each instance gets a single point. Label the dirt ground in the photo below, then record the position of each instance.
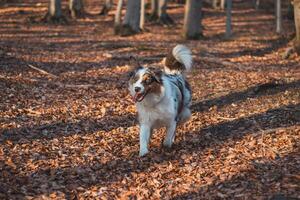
(74, 134)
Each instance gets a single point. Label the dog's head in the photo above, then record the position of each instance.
(144, 81)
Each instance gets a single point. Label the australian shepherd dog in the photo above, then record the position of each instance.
(162, 97)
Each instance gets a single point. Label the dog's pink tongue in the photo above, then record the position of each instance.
(135, 97)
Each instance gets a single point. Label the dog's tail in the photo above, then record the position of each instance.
(179, 60)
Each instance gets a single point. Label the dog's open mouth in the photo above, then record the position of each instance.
(139, 96)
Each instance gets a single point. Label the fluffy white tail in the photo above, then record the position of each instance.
(179, 60)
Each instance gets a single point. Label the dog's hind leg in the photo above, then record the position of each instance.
(145, 131)
(185, 115)
(169, 139)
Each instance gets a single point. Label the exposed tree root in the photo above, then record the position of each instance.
(75, 14)
(125, 30)
(53, 19)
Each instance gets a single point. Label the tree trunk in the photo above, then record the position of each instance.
(192, 28)
(118, 16)
(290, 12)
(163, 16)
(278, 17)
(131, 24)
(55, 9)
(142, 17)
(154, 10)
(228, 18)
(215, 4)
(297, 24)
(222, 4)
(256, 4)
(76, 8)
(54, 14)
(107, 7)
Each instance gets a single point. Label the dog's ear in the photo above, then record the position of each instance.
(156, 73)
(134, 62)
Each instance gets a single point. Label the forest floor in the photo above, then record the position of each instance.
(73, 133)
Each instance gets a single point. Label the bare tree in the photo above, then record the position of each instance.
(106, 7)
(54, 13)
(296, 41)
(278, 17)
(218, 4)
(159, 12)
(118, 17)
(131, 23)
(228, 18)
(297, 25)
(256, 4)
(192, 28)
(142, 17)
(76, 8)
(163, 16)
(154, 10)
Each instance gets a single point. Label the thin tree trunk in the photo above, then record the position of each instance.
(118, 16)
(76, 8)
(131, 24)
(55, 9)
(278, 17)
(228, 18)
(142, 17)
(257, 3)
(154, 10)
(54, 14)
(163, 16)
(192, 28)
(215, 4)
(222, 4)
(107, 7)
(297, 25)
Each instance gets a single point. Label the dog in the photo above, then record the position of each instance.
(162, 97)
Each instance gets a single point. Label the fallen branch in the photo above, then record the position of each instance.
(42, 71)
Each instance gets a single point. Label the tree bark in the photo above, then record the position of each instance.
(163, 16)
(192, 28)
(215, 4)
(55, 9)
(222, 4)
(107, 7)
(118, 17)
(278, 17)
(297, 25)
(142, 17)
(228, 18)
(154, 10)
(76, 8)
(54, 14)
(131, 24)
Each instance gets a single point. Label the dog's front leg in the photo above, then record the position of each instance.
(145, 131)
(169, 139)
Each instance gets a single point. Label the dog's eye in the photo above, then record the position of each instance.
(130, 74)
(148, 80)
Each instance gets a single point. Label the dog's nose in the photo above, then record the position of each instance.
(137, 89)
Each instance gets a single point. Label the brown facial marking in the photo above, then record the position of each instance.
(150, 83)
(134, 78)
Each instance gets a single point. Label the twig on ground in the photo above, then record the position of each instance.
(42, 71)
(263, 132)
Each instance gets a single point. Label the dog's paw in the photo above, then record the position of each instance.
(143, 152)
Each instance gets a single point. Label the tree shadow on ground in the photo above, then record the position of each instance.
(67, 179)
(263, 176)
(62, 129)
(252, 92)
